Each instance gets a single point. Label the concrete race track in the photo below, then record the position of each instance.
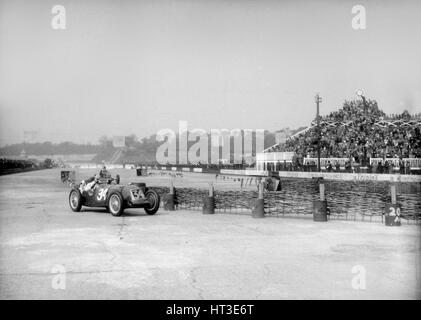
(50, 252)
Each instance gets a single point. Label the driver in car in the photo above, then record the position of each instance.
(89, 184)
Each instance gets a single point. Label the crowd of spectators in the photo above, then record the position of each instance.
(361, 132)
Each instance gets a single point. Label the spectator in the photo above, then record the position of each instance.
(337, 166)
(407, 167)
(329, 167)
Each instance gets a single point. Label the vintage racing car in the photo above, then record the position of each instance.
(110, 194)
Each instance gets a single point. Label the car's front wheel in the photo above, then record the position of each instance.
(75, 200)
(153, 198)
(115, 204)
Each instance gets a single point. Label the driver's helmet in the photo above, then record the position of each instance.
(104, 172)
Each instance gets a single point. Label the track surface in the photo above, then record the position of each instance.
(187, 255)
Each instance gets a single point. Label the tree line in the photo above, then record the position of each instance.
(145, 145)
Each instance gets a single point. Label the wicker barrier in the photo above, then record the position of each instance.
(346, 200)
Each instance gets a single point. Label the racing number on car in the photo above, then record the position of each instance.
(102, 194)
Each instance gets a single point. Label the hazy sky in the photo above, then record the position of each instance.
(124, 67)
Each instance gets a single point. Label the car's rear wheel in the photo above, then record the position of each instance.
(115, 204)
(153, 198)
(75, 200)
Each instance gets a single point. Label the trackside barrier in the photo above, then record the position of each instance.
(240, 172)
(67, 176)
(320, 206)
(414, 163)
(141, 171)
(325, 161)
(345, 200)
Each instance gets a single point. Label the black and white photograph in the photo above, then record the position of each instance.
(231, 151)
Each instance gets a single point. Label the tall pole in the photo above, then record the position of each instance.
(318, 99)
(361, 94)
(365, 105)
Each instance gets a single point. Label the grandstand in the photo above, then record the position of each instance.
(356, 136)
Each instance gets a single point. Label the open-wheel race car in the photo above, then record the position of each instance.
(108, 193)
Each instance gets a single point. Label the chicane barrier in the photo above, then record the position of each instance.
(347, 200)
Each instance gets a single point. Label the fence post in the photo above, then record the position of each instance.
(209, 202)
(320, 206)
(169, 198)
(393, 194)
(322, 192)
(393, 210)
(259, 209)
